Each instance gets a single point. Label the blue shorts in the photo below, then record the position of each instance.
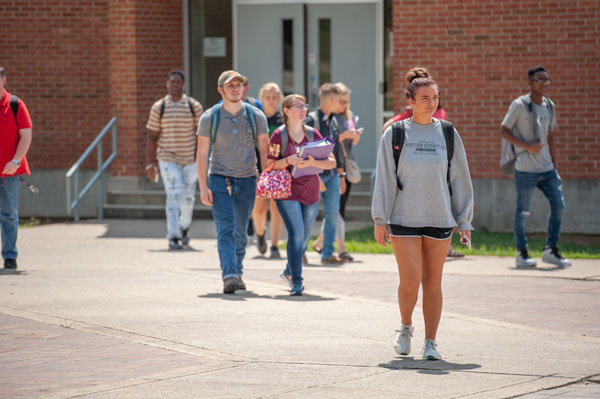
(436, 233)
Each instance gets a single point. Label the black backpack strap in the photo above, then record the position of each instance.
(14, 105)
(162, 109)
(191, 107)
(449, 136)
(398, 136)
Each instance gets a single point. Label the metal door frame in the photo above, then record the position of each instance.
(379, 21)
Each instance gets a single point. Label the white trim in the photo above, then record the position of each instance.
(185, 13)
(234, 31)
(380, 69)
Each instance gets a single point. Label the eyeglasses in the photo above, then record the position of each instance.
(541, 80)
(300, 106)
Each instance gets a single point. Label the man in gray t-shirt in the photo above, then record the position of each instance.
(529, 125)
(228, 182)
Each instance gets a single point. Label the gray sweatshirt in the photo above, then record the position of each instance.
(425, 200)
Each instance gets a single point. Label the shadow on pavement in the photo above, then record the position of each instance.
(244, 295)
(438, 367)
(12, 272)
(174, 251)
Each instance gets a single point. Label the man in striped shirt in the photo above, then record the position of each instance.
(171, 149)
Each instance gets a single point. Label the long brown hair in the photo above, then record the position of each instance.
(287, 104)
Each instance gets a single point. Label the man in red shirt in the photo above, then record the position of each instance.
(15, 139)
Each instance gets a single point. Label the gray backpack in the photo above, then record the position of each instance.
(508, 155)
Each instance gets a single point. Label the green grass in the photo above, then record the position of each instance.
(484, 243)
(30, 222)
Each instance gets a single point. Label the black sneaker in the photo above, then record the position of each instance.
(261, 243)
(250, 228)
(174, 244)
(10, 263)
(275, 252)
(184, 237)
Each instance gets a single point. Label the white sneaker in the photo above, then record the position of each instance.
(402, 342)
(524, 261)
(287, 278)
(430, 350)
(552, 256)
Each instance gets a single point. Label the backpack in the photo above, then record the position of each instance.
(162, 108)
(508, 155)
(310, 132)
(215, 119)
(14, 105)
(399, 134)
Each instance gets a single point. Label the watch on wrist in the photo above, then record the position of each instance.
(16, 162)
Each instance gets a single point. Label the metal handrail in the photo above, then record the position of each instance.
(102, 166)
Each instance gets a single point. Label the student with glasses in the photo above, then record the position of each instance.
(300, 209)
(530, 126)
(228, 181)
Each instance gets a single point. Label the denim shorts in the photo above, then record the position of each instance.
(436, 233)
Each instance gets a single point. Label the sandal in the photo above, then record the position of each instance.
(345, 256)
(317, 250)
(454, 254)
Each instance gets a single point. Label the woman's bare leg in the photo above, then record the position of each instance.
(408, 257)
(259, 215)
(434, 254)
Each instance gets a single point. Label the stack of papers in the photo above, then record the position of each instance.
(319, 150)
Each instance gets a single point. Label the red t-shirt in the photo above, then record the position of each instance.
(438, 114)
(305, 189)
(9, 133)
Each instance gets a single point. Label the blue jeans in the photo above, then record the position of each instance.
(550, 184)
(9, 215)
(331, 207)
(180, 187)
(232, 214)
(298, 219)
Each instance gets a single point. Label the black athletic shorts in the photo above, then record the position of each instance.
(437, 233)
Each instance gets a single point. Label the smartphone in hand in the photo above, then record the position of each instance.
(466, 241)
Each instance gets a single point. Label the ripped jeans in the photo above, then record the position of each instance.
(180, 186)
(551, 185)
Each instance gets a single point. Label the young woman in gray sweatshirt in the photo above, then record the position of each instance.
(419, 219)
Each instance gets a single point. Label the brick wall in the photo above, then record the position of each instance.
(76, 65)
(146, 41)
(479, 52)
(54, 56)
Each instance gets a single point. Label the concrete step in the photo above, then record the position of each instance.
(136, 211)
(144, 211)
(158, 197)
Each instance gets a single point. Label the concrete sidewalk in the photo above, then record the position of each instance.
(103, 310)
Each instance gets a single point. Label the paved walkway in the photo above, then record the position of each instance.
(103, 310)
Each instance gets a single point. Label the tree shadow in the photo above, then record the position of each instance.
(431, 367)
(245, 295)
